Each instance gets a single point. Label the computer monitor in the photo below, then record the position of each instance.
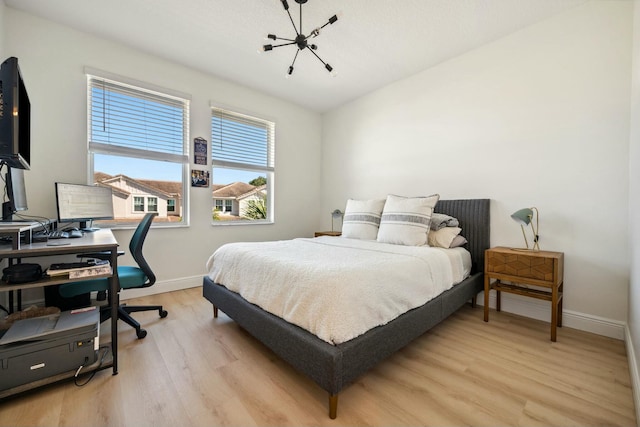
(83, 203)
(15, 116)
(16, 193)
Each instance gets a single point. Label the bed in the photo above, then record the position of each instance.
(335, 366)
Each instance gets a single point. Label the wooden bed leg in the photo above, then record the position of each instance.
(473, 301)
(215, 312)
(333, 406)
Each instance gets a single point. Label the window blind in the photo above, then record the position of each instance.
(136, 122)
(241, 141)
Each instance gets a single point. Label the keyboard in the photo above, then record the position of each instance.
(58, 234)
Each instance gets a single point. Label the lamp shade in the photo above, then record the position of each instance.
(523, 216)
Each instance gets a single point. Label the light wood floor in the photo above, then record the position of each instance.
(192, 370)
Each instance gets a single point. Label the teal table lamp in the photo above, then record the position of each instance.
(525, 217)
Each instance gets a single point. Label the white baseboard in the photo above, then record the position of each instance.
(158, 288)
(633, 370)
(541, 310)
(163, 286)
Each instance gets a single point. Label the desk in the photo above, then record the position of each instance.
(101, 240)
(14, 229)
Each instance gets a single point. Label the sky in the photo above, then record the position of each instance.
(163, 171)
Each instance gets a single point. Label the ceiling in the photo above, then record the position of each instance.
(374, 42)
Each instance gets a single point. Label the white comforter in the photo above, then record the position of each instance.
(334, 287)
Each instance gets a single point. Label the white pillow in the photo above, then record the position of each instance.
(444, 237)
(362, 219)
(406, 220)
(458, 241)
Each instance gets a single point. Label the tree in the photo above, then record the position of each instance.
(257, 182)
(256, 208)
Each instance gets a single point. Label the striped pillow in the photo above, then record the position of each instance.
(361, 219)
(406, 220)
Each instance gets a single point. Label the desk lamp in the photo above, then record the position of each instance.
(525, 217)
(335, 214)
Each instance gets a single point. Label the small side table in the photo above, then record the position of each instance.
(524, 268)
(328, 233)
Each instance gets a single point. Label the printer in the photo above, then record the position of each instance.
(42, 347)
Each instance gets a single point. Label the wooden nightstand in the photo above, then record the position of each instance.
(327, 233)
(522, 268)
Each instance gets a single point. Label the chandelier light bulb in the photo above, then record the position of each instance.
(331, 71)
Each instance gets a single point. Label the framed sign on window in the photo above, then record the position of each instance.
(200, 151)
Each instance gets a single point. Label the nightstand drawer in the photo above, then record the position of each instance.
(541, 265)
(521, 265)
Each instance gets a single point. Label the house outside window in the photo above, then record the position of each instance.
(138, 145)
(242, 151)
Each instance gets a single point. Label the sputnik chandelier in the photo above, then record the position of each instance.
(301, 41)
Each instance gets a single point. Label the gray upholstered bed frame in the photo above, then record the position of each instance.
(333, 367)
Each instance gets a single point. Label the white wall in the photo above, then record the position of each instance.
(52, 59)
(633, 346)
(538, 118)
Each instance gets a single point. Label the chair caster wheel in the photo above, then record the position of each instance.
(141, 334)
(163, 313)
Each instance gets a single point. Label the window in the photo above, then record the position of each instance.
(138, 204)
(138, 145)
(152, 204)
(224, 206)
(242, 151)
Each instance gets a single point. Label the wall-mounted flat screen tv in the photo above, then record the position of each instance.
(15, 117)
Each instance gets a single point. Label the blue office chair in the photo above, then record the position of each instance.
(128, 277)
